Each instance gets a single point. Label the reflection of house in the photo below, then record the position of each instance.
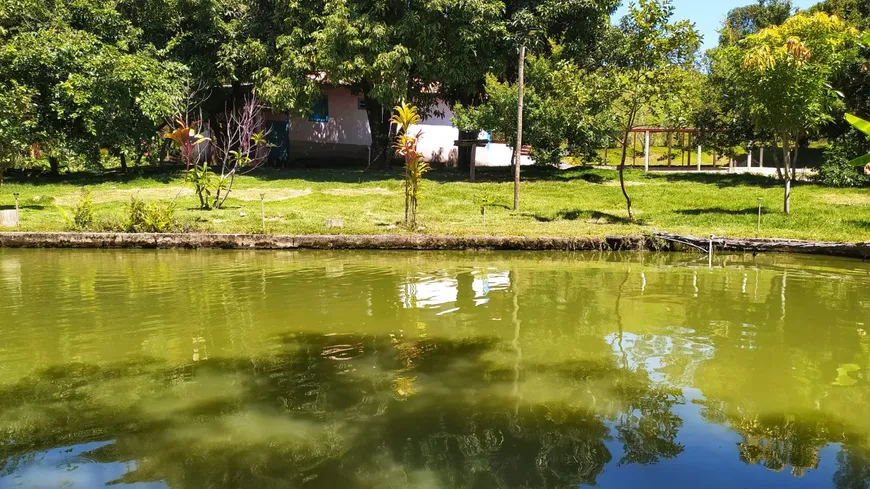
(439, 292)
(338, 131)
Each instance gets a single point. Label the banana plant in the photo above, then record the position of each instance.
(415, 166)
(863, 126)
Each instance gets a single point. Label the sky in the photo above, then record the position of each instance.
(709, 14)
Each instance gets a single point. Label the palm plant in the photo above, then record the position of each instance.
(415, 166)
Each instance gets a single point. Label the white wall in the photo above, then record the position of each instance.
(439, 135)
(348, 125)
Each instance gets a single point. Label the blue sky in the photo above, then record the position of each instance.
(709, 14)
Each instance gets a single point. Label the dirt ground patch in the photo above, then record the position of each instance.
(272, 194)
(628, 183)
(150, 194)
(354, 192)
(118, 195)
(845, 199)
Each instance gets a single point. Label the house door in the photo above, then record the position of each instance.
(279, 138)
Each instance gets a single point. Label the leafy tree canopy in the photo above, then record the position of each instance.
(90, 83)
(751, 19)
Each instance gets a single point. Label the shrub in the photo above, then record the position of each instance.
(838, 169)
(150, 218)
(83, 214)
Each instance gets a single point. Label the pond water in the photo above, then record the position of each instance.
(186, 370)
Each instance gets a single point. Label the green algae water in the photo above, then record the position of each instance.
(189, 370)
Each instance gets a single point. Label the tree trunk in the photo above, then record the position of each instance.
(219, 202)
(379, 124)
(622, 173)
(787, 174)
(407, 197)
(54, 163)
(519, 146)
(776, 162)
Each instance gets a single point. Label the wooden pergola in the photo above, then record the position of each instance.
(648, 131)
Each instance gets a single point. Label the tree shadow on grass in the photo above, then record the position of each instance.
(30, 207)
(749, 211)
(160, 174)
(860, 224)
(578, 214)
(725, 180)
(439, 175)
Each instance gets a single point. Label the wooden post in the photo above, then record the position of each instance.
(670, 147)
(473, 165)
(683, 159)
(699, 157)
(519, 148)
(646, 153)
(606, 160)
(761, 158)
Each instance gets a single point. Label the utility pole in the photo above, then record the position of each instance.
(519, 148)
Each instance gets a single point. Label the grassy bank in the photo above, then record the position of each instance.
(554, 203)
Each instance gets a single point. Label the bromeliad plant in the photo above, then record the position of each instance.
(186, 139)
(404, 117)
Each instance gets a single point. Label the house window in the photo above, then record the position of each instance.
(320, 111)
(361, 104)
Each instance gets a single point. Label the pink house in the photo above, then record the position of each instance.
(338, 129)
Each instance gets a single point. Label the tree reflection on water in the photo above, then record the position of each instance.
(319, 419)
(429, 371)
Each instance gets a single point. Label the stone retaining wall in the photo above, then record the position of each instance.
(419, 242)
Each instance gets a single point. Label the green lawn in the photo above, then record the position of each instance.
(574, 202)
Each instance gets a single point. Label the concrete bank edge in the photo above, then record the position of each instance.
(417, 242)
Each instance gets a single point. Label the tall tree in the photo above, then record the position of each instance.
(91, 83)
(782, 78)
(563, 111)
(856, 12)
(16, 124)
(854, 81)
(648, 56)
(751, 19)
